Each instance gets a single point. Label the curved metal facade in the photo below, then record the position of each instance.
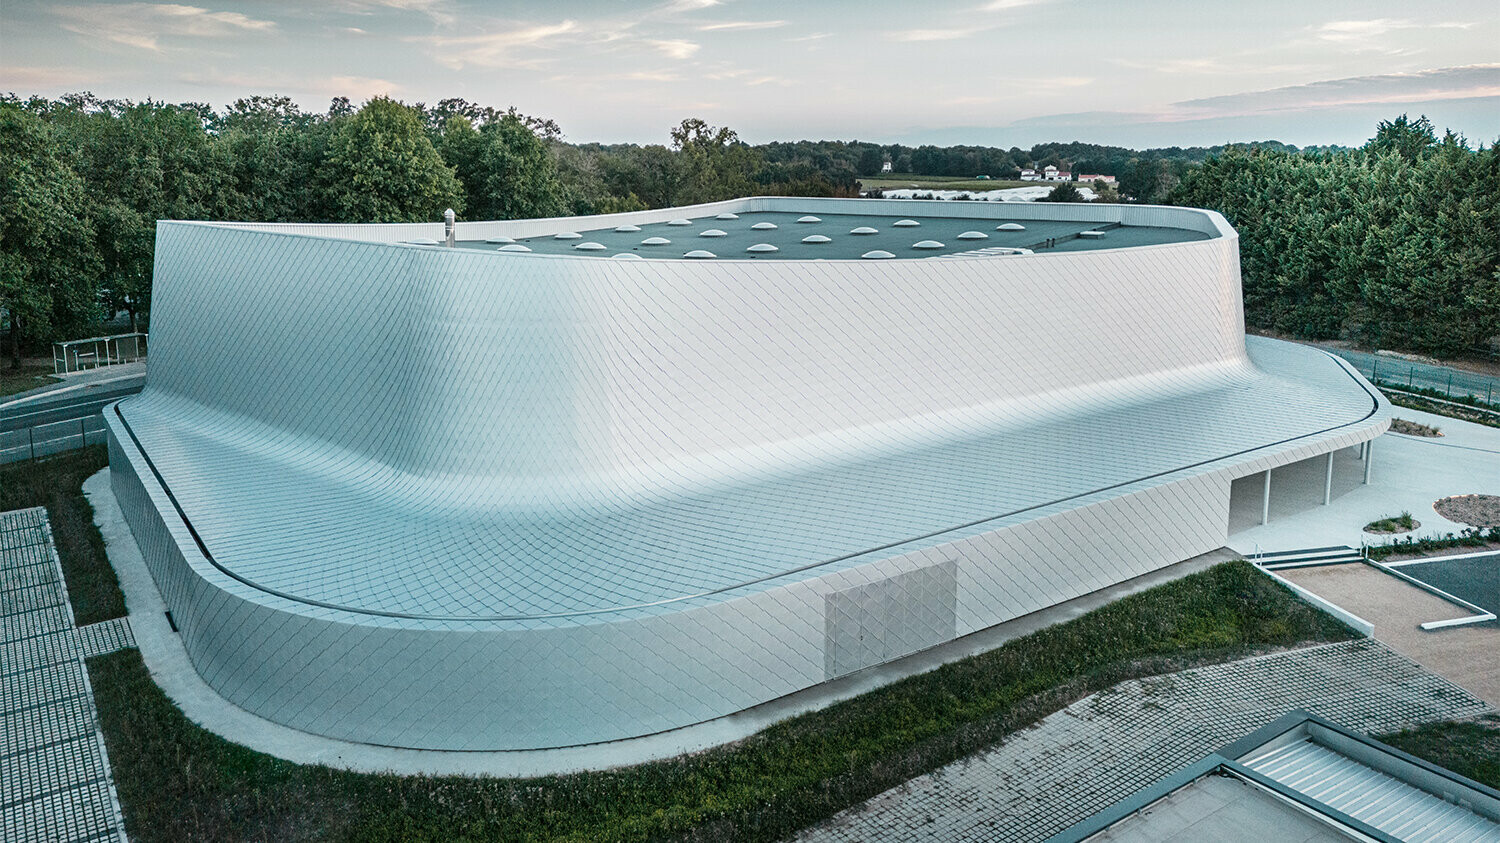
(454, 499)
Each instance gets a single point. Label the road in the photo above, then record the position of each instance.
(60, 419)
(1395, 371)
(70, 404)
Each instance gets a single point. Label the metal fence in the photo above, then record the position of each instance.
(91, 353)
(52, 438)
(1411, 375)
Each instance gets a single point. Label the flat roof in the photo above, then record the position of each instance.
(734, 238)
(1225, 810)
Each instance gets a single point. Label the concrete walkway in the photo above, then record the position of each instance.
(1408, 474)
(55, 781)
(1107, 746)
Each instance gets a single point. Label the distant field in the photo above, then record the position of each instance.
(896, 181)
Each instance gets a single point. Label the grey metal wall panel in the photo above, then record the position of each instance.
(462, 500)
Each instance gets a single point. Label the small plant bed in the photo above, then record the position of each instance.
(57, 484)
(1471, 411)
(1402, 523)
(1470, 540)
(177, 781)
(1467, 747)
(1411, 428)
(1474, 510)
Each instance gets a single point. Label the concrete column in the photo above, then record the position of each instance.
(1369, 458)
(1328, 481)
(1265, 500)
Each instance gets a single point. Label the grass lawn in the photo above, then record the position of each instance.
(898, 181)
(178, 782)
(31, 375)
(57, 483)
(1467, 747)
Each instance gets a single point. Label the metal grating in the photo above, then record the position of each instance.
(54, 777)
(1370, 796)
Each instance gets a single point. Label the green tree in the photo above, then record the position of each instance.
(1065, 192)
(48, 267)
(713, 163)
(381, 167)
(506, 171)
(1411, 139)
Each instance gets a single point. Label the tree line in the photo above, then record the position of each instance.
(83, 181)
(1393, 245)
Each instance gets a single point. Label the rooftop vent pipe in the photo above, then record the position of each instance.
(450, 228)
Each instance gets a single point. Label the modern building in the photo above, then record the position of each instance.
(564, 481)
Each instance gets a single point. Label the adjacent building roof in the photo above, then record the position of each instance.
(1303, 778)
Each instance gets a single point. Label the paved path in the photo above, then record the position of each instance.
(1107, 746)
(1408, 474)
(55, 781)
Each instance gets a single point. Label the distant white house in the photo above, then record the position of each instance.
(1089, 177)
(1030, 175)
(885, 167)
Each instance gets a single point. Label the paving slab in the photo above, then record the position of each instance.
(1110, 744)
(55, 782)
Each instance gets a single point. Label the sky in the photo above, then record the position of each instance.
(991, 72)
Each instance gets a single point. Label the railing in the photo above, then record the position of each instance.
(1411, 375)
(77, 355)
(52, 438)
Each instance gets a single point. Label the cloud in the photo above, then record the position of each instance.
(674, 48)
(1006, 5)
(933, 34)
(500, 48)
(143, 25)
(438, 10)
(652, 76)
(689, 5)
(1367, 34)
(1446, 83)
(356, 88)
(1475, 80)
(20, 79)
(742, 26)
(816, 36)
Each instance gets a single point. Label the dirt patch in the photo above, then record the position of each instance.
(1411, 428)
(1474, 510)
